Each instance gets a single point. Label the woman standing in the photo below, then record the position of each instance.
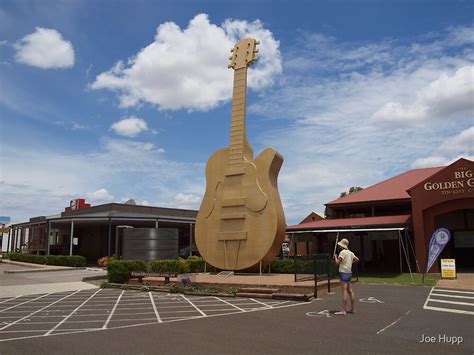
(345, 260)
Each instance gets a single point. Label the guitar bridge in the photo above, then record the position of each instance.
(225, 236)
(233, 216)
(233, 202)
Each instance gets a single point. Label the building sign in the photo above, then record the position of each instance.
(448, 268)
(462, 182)
(438, 241)
(77, 204)
(4, 220)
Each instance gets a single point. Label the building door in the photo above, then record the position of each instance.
(461, 245)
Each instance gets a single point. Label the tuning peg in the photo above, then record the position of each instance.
(230, 58)
(257, 42)
(232, 50)
(255, 51)
(229, 66)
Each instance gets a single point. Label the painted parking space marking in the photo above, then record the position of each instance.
(393, 323)
(22, 303)
(450, 301)
(99, 310)
(325, 313)
(370, 300)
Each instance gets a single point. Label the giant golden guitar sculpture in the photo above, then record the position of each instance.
(241, 224)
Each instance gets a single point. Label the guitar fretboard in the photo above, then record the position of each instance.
(238, 126)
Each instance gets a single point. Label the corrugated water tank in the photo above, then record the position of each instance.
(150, 243)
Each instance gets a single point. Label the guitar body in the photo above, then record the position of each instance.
(241, 221)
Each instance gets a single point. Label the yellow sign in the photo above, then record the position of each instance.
(448, 268)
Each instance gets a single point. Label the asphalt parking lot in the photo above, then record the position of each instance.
(389, 319)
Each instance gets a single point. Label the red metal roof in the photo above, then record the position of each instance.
(353, 222)
(394, 188)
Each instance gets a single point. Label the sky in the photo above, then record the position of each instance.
(112, 100)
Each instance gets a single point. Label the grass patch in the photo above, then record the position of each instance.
(398, 279)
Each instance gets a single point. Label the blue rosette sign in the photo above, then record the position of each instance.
(439, 239)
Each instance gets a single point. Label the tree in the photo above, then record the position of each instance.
(351, 190)
(328, 212)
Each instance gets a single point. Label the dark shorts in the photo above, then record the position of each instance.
(345, 276)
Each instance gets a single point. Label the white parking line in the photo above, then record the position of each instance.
(393, 323)
(113, 311)
(31, 314)
(192, 304)
(9, 299)
(230, 304)
(71, 314)
(455, 291)
(19, 304)
(158, 318)
(427, 298)
(448, 310)
(452, 296)
(257, 301)
(453, 302)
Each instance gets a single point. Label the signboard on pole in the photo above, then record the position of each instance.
(448, 268)
(439, 239)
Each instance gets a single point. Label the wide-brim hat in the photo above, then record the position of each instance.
(343, 243)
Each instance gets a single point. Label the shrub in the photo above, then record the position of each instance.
(178, 266)
(285, 266)
(60, 260)
(195, 264)
(74, 261)
(233, 290)
(145, 288)
(210, 289)
(119, 271)
(176, 288)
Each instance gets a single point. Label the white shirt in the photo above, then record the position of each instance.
(346, 264)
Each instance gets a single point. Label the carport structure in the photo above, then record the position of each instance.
(92, 232)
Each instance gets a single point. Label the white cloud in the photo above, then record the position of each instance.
(130, 127)
(188, 198)
(462, 143)
(187, 68)
(101, 195)
(453, 148)
(191, 201)
(329, 91)
(136, 169)
(45, 48)
(429, 162)
(442, 98)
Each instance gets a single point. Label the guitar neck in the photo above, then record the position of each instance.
(238, 134)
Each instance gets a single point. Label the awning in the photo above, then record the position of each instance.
(353, 224)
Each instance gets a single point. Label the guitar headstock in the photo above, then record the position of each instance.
(243, 53)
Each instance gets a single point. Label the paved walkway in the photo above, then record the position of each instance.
(463, 282)
(23, 290)
(30, 267)
(283, 282)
